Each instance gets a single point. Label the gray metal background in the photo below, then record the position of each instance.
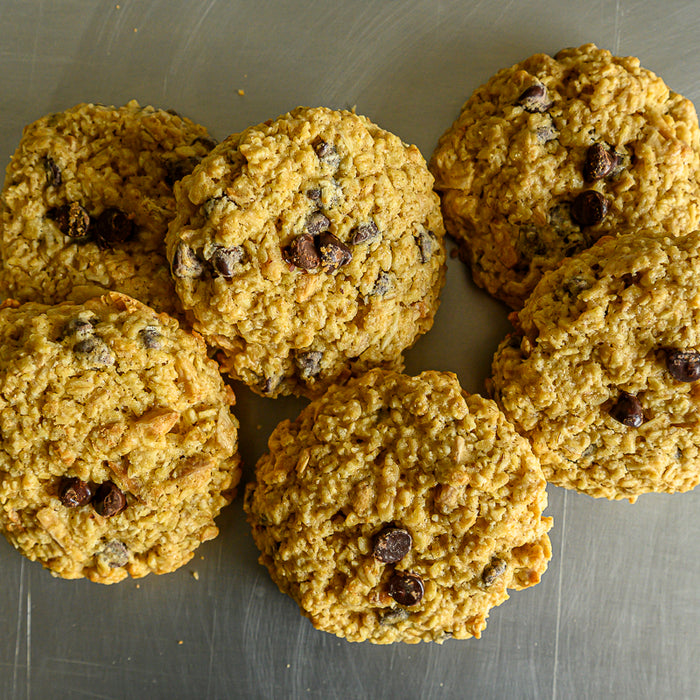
(618, 612)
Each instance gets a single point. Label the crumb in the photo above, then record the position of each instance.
(138, 585)
(241, 92)
(201, 557)
(135, 30)
(258, 427)
(195, 575)
(179, 641)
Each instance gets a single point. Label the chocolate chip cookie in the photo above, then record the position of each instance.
(553, 153)
(308, 247)
(399, 508)
(601, 372)
(118, 445)
(87, 200)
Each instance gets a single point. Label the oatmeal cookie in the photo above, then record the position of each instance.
(308, 247)
(553, 153)
(601, 372)
(399, 508)
(86, 203)
(118, 445)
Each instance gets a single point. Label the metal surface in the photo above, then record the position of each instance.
(618, 612)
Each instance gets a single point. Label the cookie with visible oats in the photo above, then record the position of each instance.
(307, 248)
(553, 153)
(118, 445)
(601, 372)
(86, 203)
(399, 508)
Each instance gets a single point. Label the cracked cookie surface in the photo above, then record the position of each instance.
(601, 371)
(553, 153)
(399, 508)
(118, 444)
(307, 248)
(87, 200)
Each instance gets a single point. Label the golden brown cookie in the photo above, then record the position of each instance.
(553, 153)
(118, 445)
(399, 508)
(307, 248)
(601, 372)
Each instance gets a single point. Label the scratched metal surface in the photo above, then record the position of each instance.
(618, 612)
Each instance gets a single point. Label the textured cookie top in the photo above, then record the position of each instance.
(118, 446)
(399, 508)
(87, 200)
(553, 153)
(600, 372)
(306, 247)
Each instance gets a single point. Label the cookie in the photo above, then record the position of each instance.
(554, 153)
(399, 508)
(87, 200)
(307, 248)
(119, 448)
(600, 374)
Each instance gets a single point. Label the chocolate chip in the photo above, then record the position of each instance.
(225, 260)
(575, 285)
(600, 162)
(326, 152)
(392, 544)
(535, 99)
(334, 253)
(628, 410)
(314, 194)
(546, 133)
(109, 499)
(186, 264)
(364, 233)
(74, 492)
(425, 244)
(207, 141)
(302, 252)
(684, 365)
(589, 208)
(317, 222)
(79, 328)
(53, 172)
(151, 338)
(115, 554)
(381, 285)
(406, 588)
(95, 352)
(309, 363)
(112, 227)
(71, 219)
(393, 616)
(176, 169)
(492, 571)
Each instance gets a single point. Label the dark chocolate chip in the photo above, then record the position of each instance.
(207, 141)
(406, 588)
(684, 365)
(309, 363)
(364, 233)
(314, 194)
(393, 616)
(95, 352)
(589, 208)
(381, 285)
(334, 253)
(177, 168)
(317, 222)
(600, 162)
(628, 410)
(492, 571)
(72, 219)
(225, 260)
(535, 99)
(186, 263)
(115, 554)
(326, 152)
(546, 133)
(113, 227)
(151, 338)
(109, 499)
(79, 328)
(425, 244)
(302, 252)
(74, 492)
(53, 172)
(392, 544)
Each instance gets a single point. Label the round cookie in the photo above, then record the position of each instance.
(553, 153)
(600, 373)
(399, 508)
(87, 200)
(307, 248)
(118, 445)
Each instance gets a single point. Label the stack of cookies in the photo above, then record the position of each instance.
(142, 262)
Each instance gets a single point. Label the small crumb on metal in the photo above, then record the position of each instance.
(179, 641)
(195, 575)
(241, 92)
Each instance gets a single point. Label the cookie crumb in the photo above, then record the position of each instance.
(195, 575)
(180, 642)
(241, 92)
